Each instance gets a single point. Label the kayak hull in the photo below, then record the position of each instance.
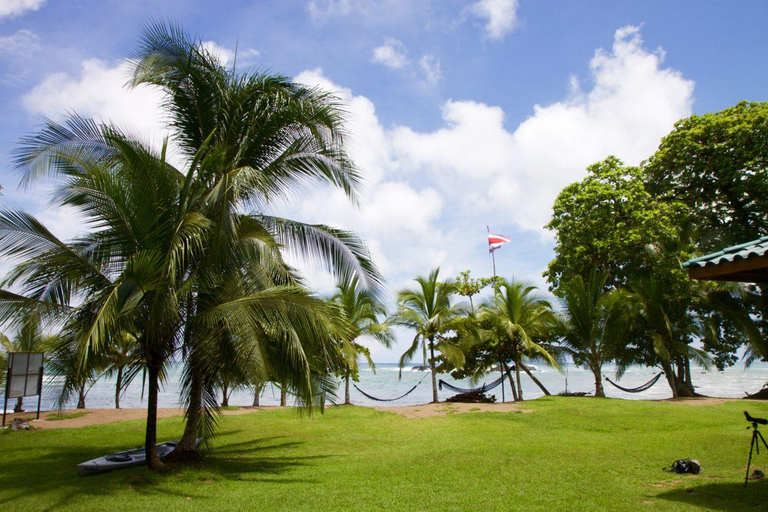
(122, 460)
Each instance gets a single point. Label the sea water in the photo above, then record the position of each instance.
(387, 381)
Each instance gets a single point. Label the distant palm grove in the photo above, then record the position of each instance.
(183, 260)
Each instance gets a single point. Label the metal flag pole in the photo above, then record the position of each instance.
(495, 297)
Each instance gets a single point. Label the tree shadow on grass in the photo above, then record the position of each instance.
(726, 496)
(249, 459)
(52, 475)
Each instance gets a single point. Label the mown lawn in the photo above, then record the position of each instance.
(568, 454)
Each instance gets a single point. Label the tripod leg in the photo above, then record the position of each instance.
(763, 440)
(749, 462)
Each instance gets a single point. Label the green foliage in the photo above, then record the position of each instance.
(469, 287)
(605, 222)
(596, 323)
(429, 312)
(717, 165)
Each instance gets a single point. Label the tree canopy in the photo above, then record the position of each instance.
(717, 165)
(605, 221)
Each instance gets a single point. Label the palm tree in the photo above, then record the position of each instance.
(358, 312)
(671, 328)
(595, 322)
(519, 322)
(128, 274)
(123, 362)
(428, 311)
(263, 137)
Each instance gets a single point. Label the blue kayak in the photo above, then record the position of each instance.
(126, 459)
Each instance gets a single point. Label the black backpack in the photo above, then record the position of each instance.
(685, 466)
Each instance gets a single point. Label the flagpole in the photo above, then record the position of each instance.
(495, 298)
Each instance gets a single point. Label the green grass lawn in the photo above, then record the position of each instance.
(568, 454)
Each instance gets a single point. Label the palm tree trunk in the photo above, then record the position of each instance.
(186, 450)
(688, 376)
(346, 388)
(150, 440)
(257, 394)
(19, 405)
(118, 386)
(432, 369)
(81, 397)
(534, 379)
(517, 376)
(225, 396)
(283, 395)
(188, 442)
(669, 373)
(599, 390)
(511, 382)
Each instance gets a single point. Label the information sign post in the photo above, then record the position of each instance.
(25, 378)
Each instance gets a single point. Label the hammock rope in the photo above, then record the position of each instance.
(481, 389)
(638, 389)
(390, 399)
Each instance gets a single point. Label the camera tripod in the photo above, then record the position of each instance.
(755, 441)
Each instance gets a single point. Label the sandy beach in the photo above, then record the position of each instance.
(48, 420)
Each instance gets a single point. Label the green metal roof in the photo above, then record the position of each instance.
(753, 249)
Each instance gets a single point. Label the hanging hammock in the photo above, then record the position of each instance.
(638, 389)
(390, 399)
(481, 389)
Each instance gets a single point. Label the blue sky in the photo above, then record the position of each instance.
(462, 113)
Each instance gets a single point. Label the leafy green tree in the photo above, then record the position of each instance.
(428, 311)
(716, 165)
(468, 286)
(519, 323)
(605, 221)
(360, 314)
(596, 323)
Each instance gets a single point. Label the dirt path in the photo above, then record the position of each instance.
(445, 408)
(100, 416)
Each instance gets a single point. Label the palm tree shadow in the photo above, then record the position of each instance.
(253, 460)
(249, 459)
(725, 496)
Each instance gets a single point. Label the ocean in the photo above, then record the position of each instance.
(386, 382)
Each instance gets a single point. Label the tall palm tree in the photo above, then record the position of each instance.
(264, 138)
(519, 321)
(595, 321)
(360, 313)
(128, 274)
(122, 361)
(428, 311)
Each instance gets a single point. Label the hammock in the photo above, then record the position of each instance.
(390, 399)
(481, 389)
(638, 389)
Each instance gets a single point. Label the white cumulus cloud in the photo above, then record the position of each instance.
(15, 7)
(100, 92)
(500, 16)
(392, 54)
